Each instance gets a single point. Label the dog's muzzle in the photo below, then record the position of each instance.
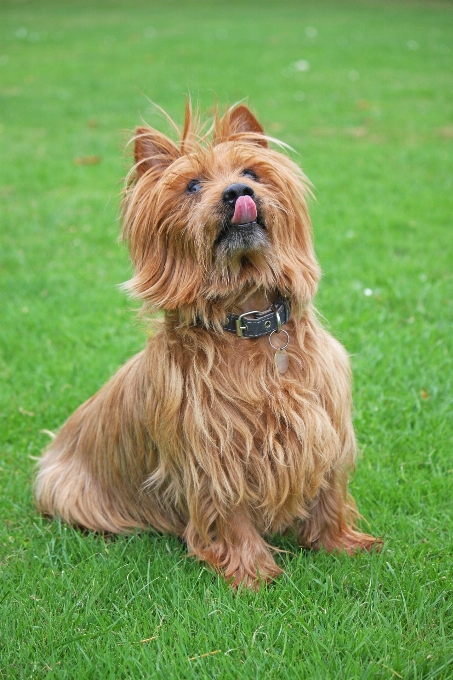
(242, 228)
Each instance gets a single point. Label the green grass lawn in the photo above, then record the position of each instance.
(363, 92)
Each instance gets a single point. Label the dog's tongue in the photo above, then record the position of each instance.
(244, 211)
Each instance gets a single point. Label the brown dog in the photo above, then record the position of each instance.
(235, 421)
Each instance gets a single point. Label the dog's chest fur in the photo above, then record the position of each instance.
(259, 438)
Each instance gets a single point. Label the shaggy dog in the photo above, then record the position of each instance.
(235, 421)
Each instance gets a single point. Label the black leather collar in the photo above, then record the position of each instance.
(261, 323)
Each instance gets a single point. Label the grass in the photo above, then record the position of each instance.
(372, 122)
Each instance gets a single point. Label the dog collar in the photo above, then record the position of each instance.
(263, 323)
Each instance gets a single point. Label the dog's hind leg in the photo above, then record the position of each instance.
(67, 489)
(331, 523)
(93, 472)
(237, 551)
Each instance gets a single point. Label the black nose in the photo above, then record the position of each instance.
(232, 193)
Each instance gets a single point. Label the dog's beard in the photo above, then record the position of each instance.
(239, 240)
(244, 255)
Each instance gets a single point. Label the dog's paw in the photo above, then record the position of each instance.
(252, 576)
(346, 540)
(351, 541)
(242, 568)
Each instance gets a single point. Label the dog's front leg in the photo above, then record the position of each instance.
(235, 549)
(332, 519)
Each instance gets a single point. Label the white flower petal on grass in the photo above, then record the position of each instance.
(368, 292)
(302, 65)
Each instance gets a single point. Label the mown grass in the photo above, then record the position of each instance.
(372, 121)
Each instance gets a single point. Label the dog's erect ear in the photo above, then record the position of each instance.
(240, 121)
(153, 150)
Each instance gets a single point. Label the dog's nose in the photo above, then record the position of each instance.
(232, 193)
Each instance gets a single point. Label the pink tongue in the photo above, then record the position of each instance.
(245, 210)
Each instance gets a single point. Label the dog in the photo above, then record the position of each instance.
(234, 423)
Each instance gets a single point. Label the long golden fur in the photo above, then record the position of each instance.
(199, 434)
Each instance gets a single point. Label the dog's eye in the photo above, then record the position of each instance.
(248, 172)
(194, 186)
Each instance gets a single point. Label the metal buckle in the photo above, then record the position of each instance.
(277, 316)
(240, 328)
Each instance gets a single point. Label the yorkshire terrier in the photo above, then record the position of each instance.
(235, 422)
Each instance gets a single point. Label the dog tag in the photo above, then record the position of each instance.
(281, 357)
(281, 360)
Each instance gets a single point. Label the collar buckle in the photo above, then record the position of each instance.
(240, 328)
(255, 324)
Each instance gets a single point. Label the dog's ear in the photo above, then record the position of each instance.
(240, 121)
(153, 150)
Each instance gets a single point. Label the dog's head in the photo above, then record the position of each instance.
(215, 218)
